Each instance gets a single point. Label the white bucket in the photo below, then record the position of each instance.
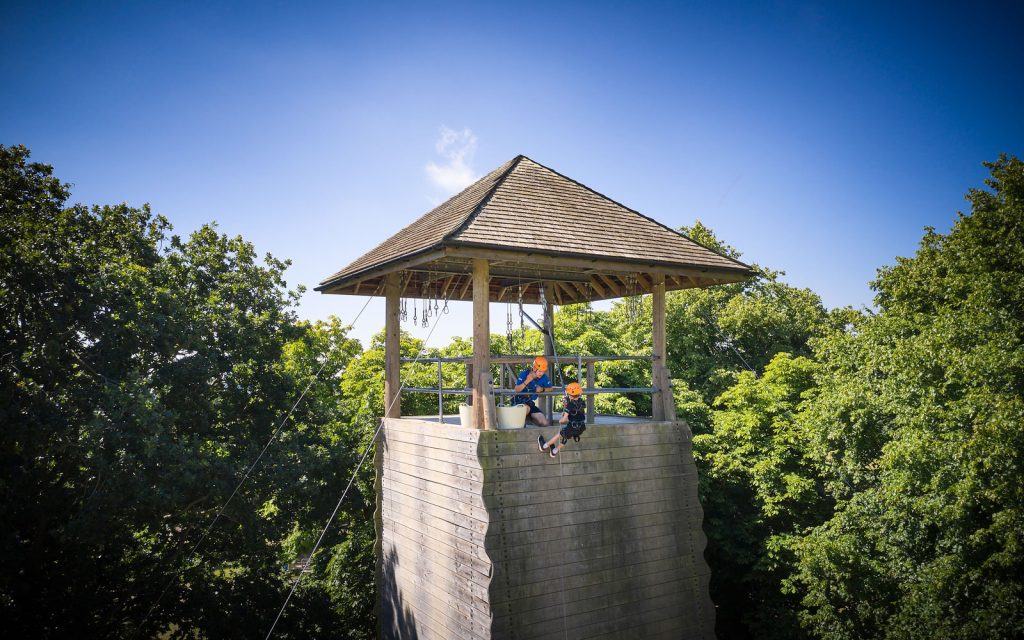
(512, 417)
(466, 415)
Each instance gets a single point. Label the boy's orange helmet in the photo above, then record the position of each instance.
(540, 363)
(574, 389)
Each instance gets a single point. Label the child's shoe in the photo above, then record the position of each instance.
(554, 452)
(541, 444)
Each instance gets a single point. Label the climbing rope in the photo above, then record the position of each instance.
(366, 452)
(245, 477)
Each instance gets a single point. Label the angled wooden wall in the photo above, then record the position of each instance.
(482, 536)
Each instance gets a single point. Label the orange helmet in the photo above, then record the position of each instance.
(574, 389)
(540, 363)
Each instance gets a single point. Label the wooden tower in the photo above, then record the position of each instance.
(479, 535)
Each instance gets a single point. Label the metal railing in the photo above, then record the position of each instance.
(505, 363)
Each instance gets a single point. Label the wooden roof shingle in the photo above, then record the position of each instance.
(524, 208)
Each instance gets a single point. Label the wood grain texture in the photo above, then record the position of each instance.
(484, 536)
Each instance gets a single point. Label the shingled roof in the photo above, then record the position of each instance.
(535, 226)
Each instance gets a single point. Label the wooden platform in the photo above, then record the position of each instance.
(480, 535)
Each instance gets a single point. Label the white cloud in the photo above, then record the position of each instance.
(457, 149)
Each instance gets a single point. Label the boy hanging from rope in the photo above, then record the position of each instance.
(574, 417)
(529, 382)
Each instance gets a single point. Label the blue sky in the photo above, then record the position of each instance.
(816, 139)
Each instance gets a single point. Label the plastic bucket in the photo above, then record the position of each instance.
(512, 417)
(466, 415)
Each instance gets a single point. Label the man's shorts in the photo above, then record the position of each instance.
(572, 430)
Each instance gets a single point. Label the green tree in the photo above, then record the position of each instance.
(760, 490)
(139, 375)
(921, 410)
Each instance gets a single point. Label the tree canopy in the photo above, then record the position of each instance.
(859, 469)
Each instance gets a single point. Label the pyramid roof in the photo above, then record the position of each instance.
(535, 226)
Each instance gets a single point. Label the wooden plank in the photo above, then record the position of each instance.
(567, 467)
(584, 451)
(426, 475)
(624, 430)
(545, 567)
(423, 616)
(636, 570)
(605, 265)
(550, 518)
(511, 484)
(669, 495)
(438, 466)
(552, 607)
(612, 286)
(391, 512)
(596, 589)
(468, 510)
(443, 491)
(457, 548)
(496, 539)
(433, 429)
(392, 352)
(625, 620)
(511, 610)
(645, 615)
(472, 587)
(443, 621)
(435, 454)
(683, 485)
(611, 531)
(408, 507)
(593, 438)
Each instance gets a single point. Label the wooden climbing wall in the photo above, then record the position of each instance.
(482, 536)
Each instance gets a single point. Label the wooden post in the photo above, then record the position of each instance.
(547, 402)
(483, 417)
(659, 348)
(392, 347)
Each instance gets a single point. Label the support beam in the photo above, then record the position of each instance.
(483, 418)
(392, 346)
(611, 285)
(659, 370)
(549, 347)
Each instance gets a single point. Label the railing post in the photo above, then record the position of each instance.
(440, 385)
(591, 404)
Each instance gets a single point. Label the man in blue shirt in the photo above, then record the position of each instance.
(528, 384)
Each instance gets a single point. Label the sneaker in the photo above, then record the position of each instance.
(541, 444)
(554, 451)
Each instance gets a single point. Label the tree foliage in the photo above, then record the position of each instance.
(859, 471)
(140, 374)
(921, 411)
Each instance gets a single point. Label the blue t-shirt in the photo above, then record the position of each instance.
(543, 382)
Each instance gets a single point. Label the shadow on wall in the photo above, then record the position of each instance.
(396, 618)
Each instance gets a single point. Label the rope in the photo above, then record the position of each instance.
(302, 572)
(729, 342)
(245, 476)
